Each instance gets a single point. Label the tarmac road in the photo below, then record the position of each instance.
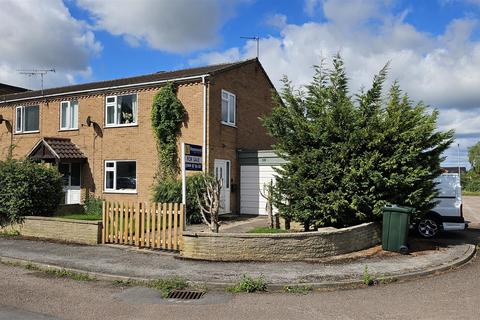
(453, 295)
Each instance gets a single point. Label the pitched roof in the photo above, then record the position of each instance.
(58, 148)
(9, 89)
(153, 77)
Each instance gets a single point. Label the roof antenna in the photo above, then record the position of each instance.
(257, 39)
(34, 72)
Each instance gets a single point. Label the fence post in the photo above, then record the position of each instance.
(175, 228)
(103, 222)
(182, 225)
(137, 224)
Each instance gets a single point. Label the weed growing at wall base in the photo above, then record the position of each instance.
(249, 284)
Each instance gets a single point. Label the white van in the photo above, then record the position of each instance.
(447, 215)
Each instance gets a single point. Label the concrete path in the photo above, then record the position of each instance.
(131, 262)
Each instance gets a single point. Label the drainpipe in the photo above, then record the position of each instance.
(205, 147)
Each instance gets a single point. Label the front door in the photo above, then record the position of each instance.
(71, 181)
(223, 172)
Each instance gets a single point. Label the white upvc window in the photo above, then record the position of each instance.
(69, 115)
(228, 108)
(120, 176)
(27, 119)
(121, 110)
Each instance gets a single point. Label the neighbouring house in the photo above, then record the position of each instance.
(99, 134)
(460, 170)
(8, 89)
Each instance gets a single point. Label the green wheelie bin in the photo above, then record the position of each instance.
(396, 223)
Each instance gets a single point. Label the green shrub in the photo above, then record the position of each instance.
(93, 206)
(26, 189)
(248, 284)
(169, 190)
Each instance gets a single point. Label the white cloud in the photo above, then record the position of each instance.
(277, 20)
(174, 26)
(439, 70)
(43, 34)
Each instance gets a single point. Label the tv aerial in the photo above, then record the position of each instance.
(36, 72)
(257, 39)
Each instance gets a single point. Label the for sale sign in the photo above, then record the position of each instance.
(193, 157)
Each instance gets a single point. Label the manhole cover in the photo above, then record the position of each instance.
(185, 294)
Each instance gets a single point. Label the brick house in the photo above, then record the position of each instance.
(99, 134)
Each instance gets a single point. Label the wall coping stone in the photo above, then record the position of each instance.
(73, 221)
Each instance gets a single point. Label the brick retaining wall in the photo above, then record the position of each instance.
(78, 231)
(301, 246)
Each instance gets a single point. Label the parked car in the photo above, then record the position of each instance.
(447, 215)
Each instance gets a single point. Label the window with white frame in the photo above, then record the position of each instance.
(69, 115)
(121, 110)
(228, 108)
(121, 176)
(27, 119)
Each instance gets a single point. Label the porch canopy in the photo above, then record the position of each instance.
(51, 149)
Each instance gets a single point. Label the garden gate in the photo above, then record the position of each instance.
(146, 225)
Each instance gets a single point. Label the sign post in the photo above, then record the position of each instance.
(191, 161)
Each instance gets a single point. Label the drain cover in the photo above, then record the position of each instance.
(185, 294)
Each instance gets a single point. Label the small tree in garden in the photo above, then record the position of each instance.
(267, 194)
(209, 202)
(26, 189)
(349, 156)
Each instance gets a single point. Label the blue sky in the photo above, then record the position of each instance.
(433, 46)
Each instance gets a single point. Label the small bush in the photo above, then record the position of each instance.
(169, 190)
(26, 189)
(93, 206)
(248, 284)
(166, 285)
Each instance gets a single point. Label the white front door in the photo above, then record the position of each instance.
(223, 172)
(71, 181)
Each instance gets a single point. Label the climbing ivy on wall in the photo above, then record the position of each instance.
(167, 117)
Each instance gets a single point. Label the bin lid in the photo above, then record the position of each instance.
(398, 209)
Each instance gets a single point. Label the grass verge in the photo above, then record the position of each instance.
(61, 273)
(267, 230)
(9, 233)
(470, 193)
(82, 216)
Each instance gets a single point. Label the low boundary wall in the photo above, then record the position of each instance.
(78, 231)
(299, 246)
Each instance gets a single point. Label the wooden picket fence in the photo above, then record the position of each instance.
(147, 225)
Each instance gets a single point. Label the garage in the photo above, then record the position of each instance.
(256, 169)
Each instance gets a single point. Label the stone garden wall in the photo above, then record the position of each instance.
(298, 246)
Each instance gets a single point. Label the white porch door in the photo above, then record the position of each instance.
(71, 181)
(223, 172)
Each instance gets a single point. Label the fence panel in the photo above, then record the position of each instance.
(148, 225)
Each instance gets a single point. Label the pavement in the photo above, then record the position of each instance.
(122, 262)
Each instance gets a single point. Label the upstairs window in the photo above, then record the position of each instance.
(69, 115)
(228, 108)
(27, 119)
(121, 110)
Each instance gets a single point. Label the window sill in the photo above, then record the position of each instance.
(121, 125)
(120, 191)
(73, 129)
(229, 124)
(28, 132)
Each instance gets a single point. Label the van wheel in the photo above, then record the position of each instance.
(428, 227)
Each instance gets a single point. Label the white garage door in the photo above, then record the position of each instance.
(252, 179)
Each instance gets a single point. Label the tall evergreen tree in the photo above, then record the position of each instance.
(347, 157)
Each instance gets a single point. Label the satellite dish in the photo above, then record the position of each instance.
(89, 121)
